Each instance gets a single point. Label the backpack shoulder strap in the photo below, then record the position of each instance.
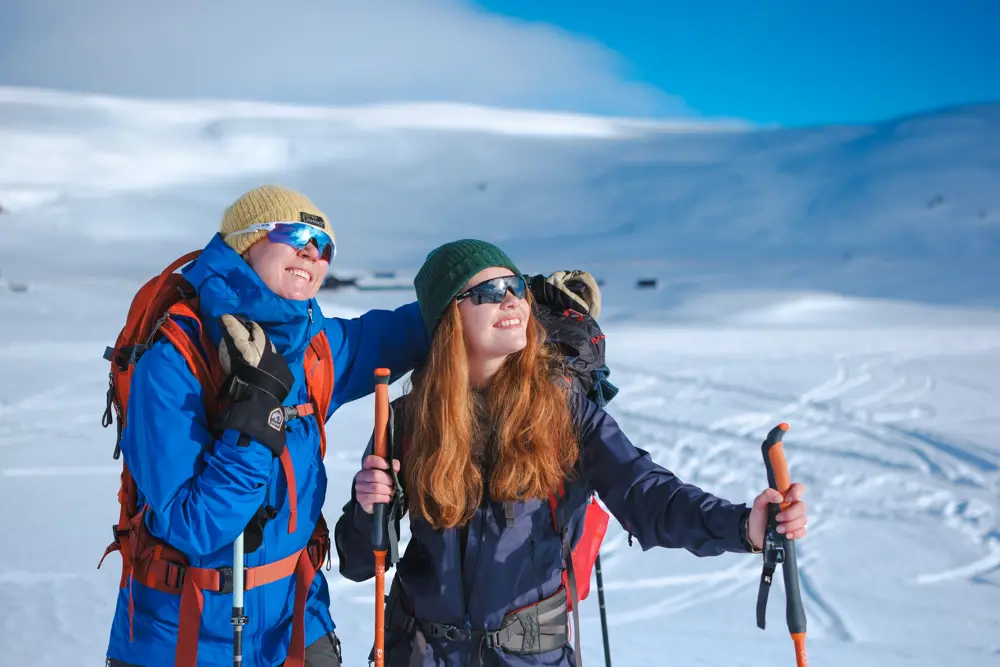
(569, 578)
(319, 382)
(196, 349)
(555, 507)
(396, 444)
(398, 438)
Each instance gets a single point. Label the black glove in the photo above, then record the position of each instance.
(253, 534)
(257, 382)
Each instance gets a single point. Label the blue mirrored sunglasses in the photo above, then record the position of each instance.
(294, 234)
(495, 290)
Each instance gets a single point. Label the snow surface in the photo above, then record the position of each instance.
(842, 279)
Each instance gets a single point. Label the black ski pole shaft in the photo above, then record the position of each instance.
(778, 478)
(604, 613)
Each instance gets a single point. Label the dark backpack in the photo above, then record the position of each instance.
(577, 338)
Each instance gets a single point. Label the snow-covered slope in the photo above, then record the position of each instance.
(842, 279)
(822, 208)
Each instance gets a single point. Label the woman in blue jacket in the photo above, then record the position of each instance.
(488, 434)
(205, 483)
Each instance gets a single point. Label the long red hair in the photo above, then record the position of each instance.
(533, 445)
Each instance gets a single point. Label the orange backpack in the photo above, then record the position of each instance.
(151, 316)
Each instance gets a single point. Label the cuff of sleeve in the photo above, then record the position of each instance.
(362, 520)
(744, 533)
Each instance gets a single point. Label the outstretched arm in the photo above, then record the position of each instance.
(647, 499)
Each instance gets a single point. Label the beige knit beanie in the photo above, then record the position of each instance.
(268, 203)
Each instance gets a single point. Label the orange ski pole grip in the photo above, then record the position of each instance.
(778, 477)
(778, 549)
(381, 410)
(379, 533)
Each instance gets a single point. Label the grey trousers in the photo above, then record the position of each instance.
(324, 652)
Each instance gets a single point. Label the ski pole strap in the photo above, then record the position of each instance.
(766, 576)
(392, 530)
(774, 554)
(397, 506)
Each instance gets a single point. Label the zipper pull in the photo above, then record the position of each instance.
(310, 314)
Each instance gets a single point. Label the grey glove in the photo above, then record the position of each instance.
(579, 286)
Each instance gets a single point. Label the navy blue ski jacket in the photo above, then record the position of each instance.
(508, 568)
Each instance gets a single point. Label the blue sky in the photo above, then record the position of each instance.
(789, 62)
(795, 61)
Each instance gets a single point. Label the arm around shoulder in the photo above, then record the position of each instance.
(394, 339)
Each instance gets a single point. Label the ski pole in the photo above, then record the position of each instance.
(778, 549)
(239, 620)
(379, 536)
(604, 614)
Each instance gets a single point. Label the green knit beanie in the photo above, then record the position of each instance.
(446, 271)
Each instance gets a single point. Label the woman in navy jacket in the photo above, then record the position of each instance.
(488, 433)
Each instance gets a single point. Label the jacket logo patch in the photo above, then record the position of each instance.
(311, 219)
(276, 419)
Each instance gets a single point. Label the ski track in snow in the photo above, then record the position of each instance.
(970, 571)
(818, 606)
(57, 413)
(862, 413)
(822, 408)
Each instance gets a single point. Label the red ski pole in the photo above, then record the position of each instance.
(778, 549)
(379, 537)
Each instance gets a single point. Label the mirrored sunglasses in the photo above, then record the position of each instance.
(295, 234)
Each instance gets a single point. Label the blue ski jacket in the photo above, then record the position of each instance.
(202, 491)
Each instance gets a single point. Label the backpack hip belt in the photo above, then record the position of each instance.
(536, 628)
(161, 567)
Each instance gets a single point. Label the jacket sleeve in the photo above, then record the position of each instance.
(352, 537)
(647, 499)
(394, 339)
(202, 491)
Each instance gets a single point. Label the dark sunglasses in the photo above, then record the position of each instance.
(495, 290)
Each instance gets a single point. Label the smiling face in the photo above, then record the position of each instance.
(493, 331)
(290, 273)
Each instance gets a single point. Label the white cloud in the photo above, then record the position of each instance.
(315, 51)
